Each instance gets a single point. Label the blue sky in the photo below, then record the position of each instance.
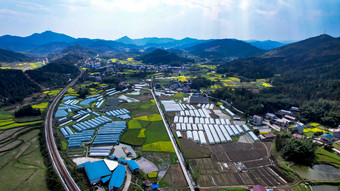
(204, 19)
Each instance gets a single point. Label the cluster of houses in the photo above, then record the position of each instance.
(284, 119)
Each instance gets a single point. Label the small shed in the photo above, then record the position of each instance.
(267, 136)
(133, 166)
(122, 161)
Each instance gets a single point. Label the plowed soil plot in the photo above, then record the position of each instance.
(175, 176)
(238, 151)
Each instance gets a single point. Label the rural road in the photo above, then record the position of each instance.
(128, 180)
(58, 163)
(171, 136)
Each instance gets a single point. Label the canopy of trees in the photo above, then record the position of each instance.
(54, 73)
(27, 110)
(163, 57)
(200, 82)
(15, 86)
(300, 151)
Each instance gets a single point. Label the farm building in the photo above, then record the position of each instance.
(253, 136)
(336, 133)
(289, 117)
(299, 128)
(298, 136)
(117, 178)
(198, 100)
(95, 171)
(112, 165)
(267, 136)
(171, 106)
(202, 138)
(178, 133)
(327, 138)
(257, 120)
(133, 166)
(270, 116)
(282, 122)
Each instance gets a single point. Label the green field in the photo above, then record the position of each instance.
(22, 166)
(327, 157)
(131, 137)
(147, 130)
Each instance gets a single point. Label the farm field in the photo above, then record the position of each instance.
(221, 169)
(22, 65)
(324, 156)
(8, 121)
(22, 165)
(146, 128)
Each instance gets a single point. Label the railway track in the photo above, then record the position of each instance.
(58, 163)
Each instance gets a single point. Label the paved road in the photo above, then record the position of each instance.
(171, 136)
(128, 179)
(57, 161)
(277, 128)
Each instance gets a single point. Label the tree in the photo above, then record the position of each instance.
(296, 148)
(83, 92)
(280, 140)
(200, 82)
(328, 147)
(27, 110)
(257, 132)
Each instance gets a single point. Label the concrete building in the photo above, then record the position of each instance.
(257, 120)
(299, 127)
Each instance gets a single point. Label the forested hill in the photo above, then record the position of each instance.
(304, 73)
(225, 48)
(14, 86)
(314, 56)
(9, 56)
(57, 72)
(163, 57)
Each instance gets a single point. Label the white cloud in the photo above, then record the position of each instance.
(244, 4)
(266, 13)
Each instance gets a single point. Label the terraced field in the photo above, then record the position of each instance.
(21, 163)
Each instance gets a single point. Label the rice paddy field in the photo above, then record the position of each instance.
(324, 156)
(22, 65)
(21, 162)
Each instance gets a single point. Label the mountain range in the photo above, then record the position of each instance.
(51, 42)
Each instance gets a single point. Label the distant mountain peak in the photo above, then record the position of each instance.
(124, 38)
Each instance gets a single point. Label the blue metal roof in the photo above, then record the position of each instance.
(83, 164)
(112, 157)
(120, 160)
(96, 170)
(61, 113)
(105, 179)
(154, 186)
(328, 136)
(117, 177)
(133, 165)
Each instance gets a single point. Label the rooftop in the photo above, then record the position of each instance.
(117, 177)
(96, 170)
(198, 100)
(133, 165)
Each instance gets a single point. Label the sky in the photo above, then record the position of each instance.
(203, 19)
